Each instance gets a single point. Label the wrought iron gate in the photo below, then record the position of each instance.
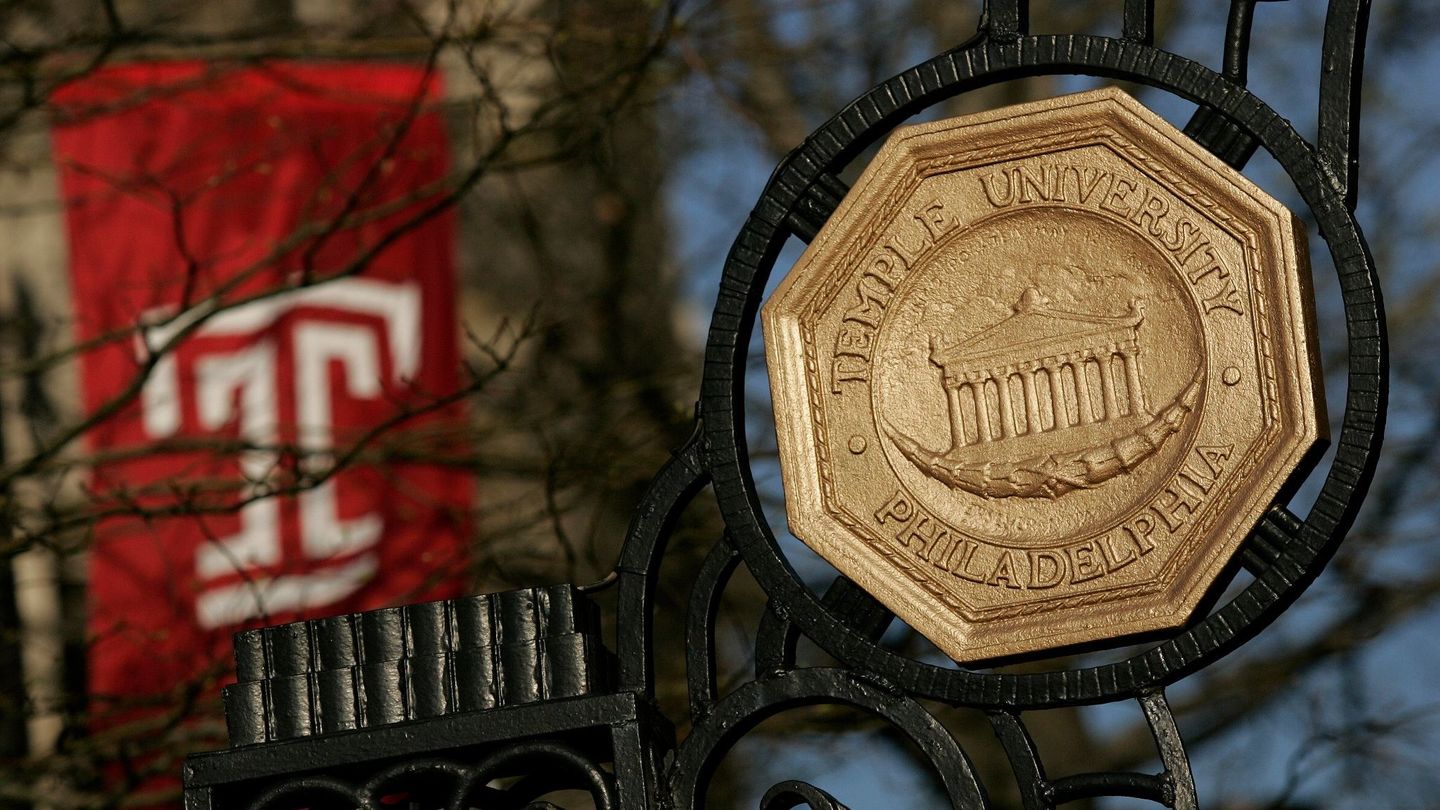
(438, 703)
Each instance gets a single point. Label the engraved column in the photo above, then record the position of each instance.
(1007, 412)
(1132, 381)
(1032, 399)
(1057, 397)
(1083, 406)
(982, 410)
(1107, 384)
(957, 415)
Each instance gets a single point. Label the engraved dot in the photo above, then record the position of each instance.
(858, 444)
(1230, 375)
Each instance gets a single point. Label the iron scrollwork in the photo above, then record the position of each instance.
(613, 717)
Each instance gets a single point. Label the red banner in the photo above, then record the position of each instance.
(275, 352)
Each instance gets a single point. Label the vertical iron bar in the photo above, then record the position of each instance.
(1342, 62)
(1171, 748)
(1237, 41)
(636, 773)
(1208, 127)
(1139, 21)
(1006, 19)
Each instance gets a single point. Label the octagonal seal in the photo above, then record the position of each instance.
(1041, 373)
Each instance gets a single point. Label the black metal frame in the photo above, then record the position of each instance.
(453, 756)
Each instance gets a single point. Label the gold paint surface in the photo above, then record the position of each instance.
(1041, 373)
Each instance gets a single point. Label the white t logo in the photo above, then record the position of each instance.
(252, 372)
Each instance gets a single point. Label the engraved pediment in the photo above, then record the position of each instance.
(1061, 391)
(1034, 330)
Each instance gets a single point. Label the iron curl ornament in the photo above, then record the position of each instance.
(500, 700)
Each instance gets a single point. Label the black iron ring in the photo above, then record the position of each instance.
(1305, 546)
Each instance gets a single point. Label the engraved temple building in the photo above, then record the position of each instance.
(1037, 371)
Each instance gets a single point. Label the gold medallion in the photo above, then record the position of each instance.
(1041, 373)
